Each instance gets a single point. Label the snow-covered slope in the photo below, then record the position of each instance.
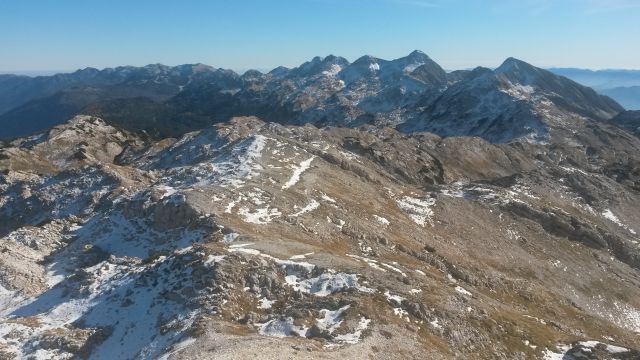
(514, 101)
(370, 90)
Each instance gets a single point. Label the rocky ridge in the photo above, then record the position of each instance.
(251, 238)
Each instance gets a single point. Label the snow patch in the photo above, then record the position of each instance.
(301, 256)
(393, 268)
(308, 208)
(230, 237)
(331, 320)
(518, 91)
(611, 216)
(282, 328)
(297, 171)
(265, 303)
(259, 216)
(354, 337)
(213, 259)
(463, 291)
(581, 350)
(419, 210)
(325, 197)
(326, 284)
(381, 220)
(553, 355)
(372, 263)
(394, 299)
(241, 248)
(333, 70)
(166, 191)
(402, 313)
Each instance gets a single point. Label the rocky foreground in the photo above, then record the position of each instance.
(252, 239)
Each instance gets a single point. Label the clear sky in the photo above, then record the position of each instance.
(45, 35)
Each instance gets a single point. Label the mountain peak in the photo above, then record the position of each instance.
(575, 97)
(252, 74)
(332, 59)
(319, 64)
(418, 55)
(364, 67)
(200, 67)
(415, 57)
(520, 72)
(365, 59)
(279, 71)
(513, 64)
(86, 71)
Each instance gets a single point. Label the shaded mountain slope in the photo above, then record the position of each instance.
(515, 100)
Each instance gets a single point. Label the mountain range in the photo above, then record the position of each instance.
(374, 209)
(411, 93)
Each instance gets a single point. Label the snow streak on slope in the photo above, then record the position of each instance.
(420, 210)
(297, 171)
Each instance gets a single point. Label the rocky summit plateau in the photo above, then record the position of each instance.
(368, 210)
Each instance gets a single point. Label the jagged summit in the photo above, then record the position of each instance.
(513, 64)
(524, 73)
(280, 71)
(415, 57)
(413, 93)
(417, 53)
(252, 73)
(86, 71)
(319, 64)
(332, 59)
(479, 71)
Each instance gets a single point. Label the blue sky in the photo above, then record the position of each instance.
(50, 35)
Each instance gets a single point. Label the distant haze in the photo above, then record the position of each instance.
(621, 85)
(36, 72)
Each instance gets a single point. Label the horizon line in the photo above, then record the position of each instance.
(37, 73)
(240, 71)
